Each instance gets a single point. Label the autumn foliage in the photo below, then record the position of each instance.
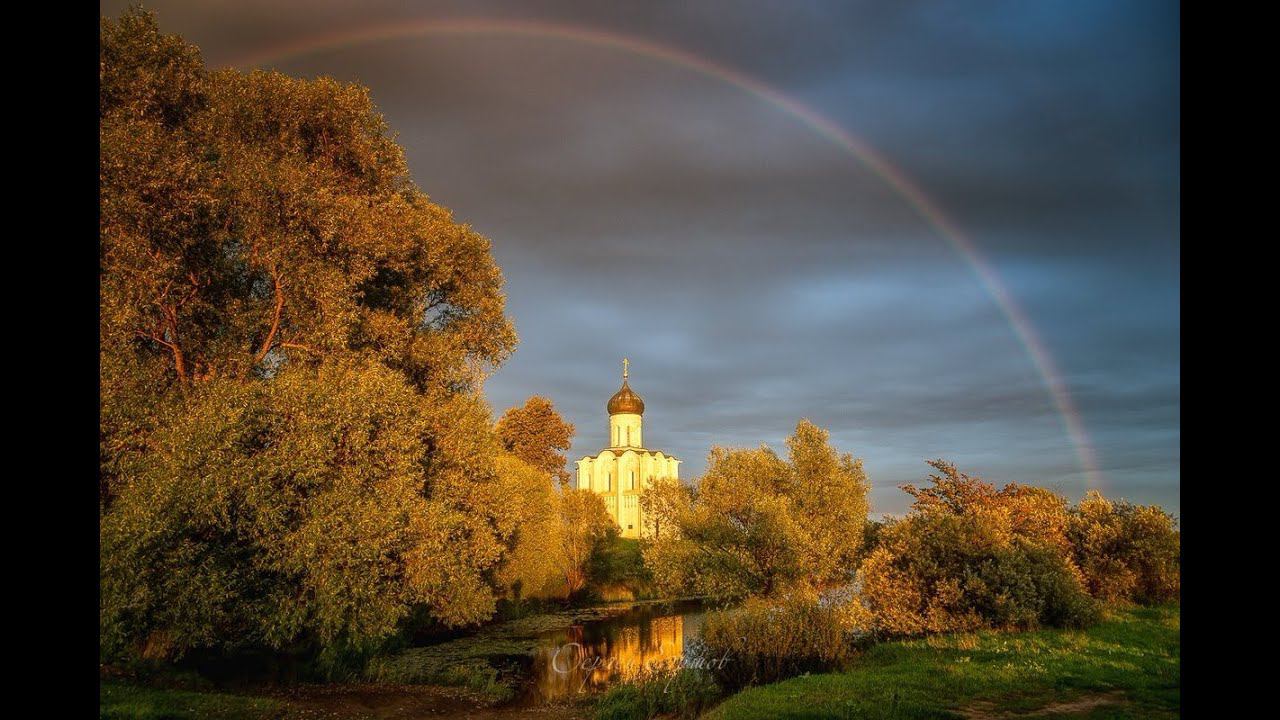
(295, 453)
(1126, 552)
(537, 434)
(294, 450)
(970, 556)
(760, 524)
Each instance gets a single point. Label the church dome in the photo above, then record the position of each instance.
(625, 401)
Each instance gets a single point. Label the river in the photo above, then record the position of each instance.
(590, 656)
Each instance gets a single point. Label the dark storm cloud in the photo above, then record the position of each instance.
(753, 272)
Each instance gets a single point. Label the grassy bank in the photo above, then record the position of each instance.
(1127, 666)
(120, 701)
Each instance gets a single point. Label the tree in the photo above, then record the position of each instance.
(293, 446)
(534, 433)
(248, 220)
(660, 503)
(1024, 511)
(586, 526)
(268, 514)
(953, 491)
(829, 490)
(761, 525)
(530, 568)
(744, 525)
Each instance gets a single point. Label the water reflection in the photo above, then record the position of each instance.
(591, 656)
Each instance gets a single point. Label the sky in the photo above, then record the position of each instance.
(753, 270)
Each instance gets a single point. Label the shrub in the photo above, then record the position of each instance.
(969, 556)
(1029, 585)
(1126, 552)
(680, 693)
(761, 642)
(939, 573)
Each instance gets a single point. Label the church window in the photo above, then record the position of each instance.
(633, 479)
(628, 435)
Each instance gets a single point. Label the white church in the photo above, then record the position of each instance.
(622, 471)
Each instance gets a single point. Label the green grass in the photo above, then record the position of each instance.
(118, 701)
(681, 694)
(1133, 656)
(422, 666)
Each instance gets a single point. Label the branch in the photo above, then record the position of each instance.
(153, 336)
(300, 346)
(179, 359)
(275, 321)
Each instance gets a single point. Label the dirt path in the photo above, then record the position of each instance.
(410, 702)
(1081, 705)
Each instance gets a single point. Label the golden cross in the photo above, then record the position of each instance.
(625, 363)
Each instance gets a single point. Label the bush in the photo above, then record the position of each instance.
(761, 642)
(680, 693)
(944, 573)
(1027, 586)
(1126, 552)
(969, 556)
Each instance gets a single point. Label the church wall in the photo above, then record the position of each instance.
(606, 470)
(625, 430)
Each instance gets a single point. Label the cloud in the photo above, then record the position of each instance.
(752, 271)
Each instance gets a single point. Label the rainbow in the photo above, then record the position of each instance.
(854, 146)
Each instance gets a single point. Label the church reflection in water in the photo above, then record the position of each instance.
(590, 657)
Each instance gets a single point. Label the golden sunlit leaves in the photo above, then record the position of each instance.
(759, 524)
(970, 556)
(534, 433)
(1126, 552)
(253, 219)
(586, 524)
(293, 446)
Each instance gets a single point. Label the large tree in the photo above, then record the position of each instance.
(248, 220)
(293, 445)
(535, 433)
